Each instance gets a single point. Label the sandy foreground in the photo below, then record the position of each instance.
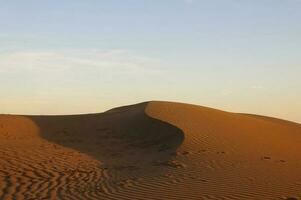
(152, 150)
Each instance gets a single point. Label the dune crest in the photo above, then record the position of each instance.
(152, 150)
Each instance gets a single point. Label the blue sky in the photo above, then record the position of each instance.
(63, 57)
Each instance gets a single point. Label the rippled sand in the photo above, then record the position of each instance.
(152, 150)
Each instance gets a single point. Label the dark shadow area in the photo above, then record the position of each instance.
(118, 135)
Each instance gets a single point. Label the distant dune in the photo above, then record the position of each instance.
(151, 150)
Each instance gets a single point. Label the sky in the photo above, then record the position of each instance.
(75, 56)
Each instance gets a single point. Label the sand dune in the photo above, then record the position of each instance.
(152, 150)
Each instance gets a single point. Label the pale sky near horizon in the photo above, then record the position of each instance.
(72, 56)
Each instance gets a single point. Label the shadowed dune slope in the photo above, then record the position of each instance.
(113, 132)
(152, 150)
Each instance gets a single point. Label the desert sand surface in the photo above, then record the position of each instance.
(151, 150)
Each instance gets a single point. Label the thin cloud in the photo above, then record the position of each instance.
(119, 61)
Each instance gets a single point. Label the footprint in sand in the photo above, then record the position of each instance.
(186, 152)
(266, 158)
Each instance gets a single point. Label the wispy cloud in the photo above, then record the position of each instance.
(114, 61)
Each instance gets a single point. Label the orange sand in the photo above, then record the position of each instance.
(153, 150)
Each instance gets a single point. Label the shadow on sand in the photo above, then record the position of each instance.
(125, 134)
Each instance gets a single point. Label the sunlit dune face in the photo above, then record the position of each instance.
(237, 132)
(18, 127)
